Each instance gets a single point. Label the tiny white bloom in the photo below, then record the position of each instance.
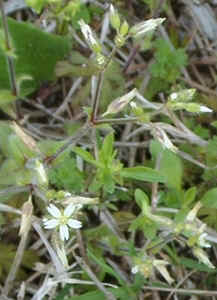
(202, 241)
(173, 96)
(62, 220)
(133, 104)
(135, 269)
(205, 109)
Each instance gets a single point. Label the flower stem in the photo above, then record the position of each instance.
(99, 87)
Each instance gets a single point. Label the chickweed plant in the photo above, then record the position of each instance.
(95, 224)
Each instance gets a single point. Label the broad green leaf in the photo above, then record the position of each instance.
(170, 165)
(86, 156)
(37, 53)
(143, 174)
(210, 198)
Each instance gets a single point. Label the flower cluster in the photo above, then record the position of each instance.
(146, 265)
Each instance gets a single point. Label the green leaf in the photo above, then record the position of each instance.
(189, 196)
(86, 156)
(143, 174)
(107, 269)
(214, 124)
(142, 200)
(107, 147)
(6, 97)
(194, 265)
(66, 176)
(145, 224)
(170, 165)
(37, 53)
(37, 5)
(210, 198)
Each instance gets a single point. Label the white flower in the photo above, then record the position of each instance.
(146, 26)
(205, 109)
(173, 96)
(62, 220)
(135, 269)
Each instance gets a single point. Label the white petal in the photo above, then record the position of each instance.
(173, 96)
(64, 232)
(205, 109)
(49, 224)
(135, 269)
(74, 223)
(161, 268)
(54, 211)
(69, 210)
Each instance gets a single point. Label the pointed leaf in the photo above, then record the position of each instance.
(143, 174)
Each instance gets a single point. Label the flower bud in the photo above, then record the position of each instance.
(119, 40)
(114, 18)
(27, 211)
(185, 95)
(144, 27)
(90, 37)
(124, 29)
(192, 213)
(119, 103)
(202, 257)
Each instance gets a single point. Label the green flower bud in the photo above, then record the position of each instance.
(114, 18)
(119, 40)
(124, 29)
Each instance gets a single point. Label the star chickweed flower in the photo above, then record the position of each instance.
(62, 220)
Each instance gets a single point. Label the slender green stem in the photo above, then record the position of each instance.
(116, 121)
(97, 96)
(99, 87)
